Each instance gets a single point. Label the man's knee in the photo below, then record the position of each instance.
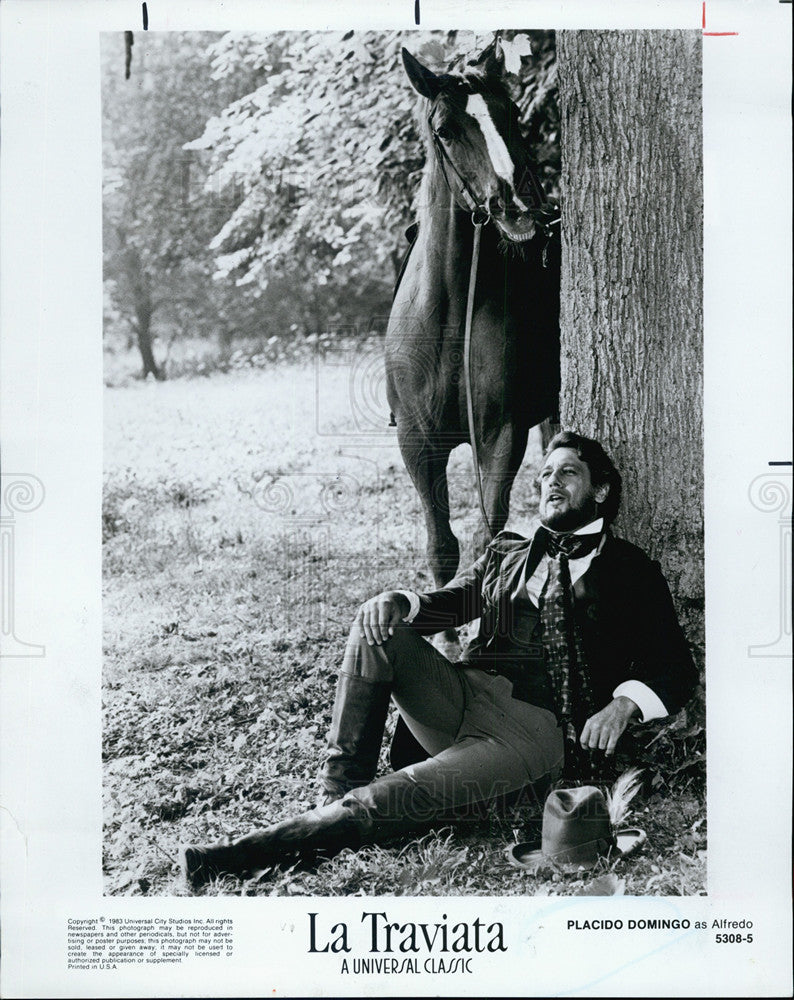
(403, 637)
(377, 661)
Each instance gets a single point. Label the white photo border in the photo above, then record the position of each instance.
(51, 310)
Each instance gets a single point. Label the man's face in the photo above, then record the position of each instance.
(568, 499)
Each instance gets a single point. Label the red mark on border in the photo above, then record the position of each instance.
(714, 34)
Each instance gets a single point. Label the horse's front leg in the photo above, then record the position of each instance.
(427, 467)
(500, 456)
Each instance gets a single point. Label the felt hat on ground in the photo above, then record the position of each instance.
(577, 832)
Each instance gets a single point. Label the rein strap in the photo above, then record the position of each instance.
(475, 256)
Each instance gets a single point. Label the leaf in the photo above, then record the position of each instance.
(514, 50)
(604, 885)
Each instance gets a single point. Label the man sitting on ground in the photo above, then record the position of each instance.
(577, 636)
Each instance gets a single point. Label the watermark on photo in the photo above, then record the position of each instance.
(311, 512)
(290, 188)
(378, 497)
(357, 372)
(20, 493)
(771, 493)
(305, 498)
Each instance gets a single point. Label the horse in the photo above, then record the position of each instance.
(489, 381)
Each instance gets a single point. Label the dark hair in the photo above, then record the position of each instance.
(602, 468)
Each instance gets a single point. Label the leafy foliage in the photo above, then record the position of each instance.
(157, 219)
(326, 152)
(674, 755)
(260, 184)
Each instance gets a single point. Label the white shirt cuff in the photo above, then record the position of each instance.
(413, 610)
(648, 702)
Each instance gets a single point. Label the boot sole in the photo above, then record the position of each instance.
(196, 867)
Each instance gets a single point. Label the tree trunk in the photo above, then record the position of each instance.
(144, 307)
(143, 331)
(548, 428)
(632, 286)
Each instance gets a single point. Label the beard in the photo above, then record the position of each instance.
(571, 517)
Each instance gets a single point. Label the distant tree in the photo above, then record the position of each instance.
(158, 219)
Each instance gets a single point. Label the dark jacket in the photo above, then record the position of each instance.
(622, 606)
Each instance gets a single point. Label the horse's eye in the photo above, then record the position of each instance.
(443, 133)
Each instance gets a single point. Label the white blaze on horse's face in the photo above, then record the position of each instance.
(498, 152)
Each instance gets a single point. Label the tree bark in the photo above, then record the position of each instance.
(632, 284)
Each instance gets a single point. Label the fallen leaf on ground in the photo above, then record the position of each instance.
(604, 885)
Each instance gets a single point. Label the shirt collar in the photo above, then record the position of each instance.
(592, 528)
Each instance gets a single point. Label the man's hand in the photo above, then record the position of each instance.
(603, 730)
(377, 617)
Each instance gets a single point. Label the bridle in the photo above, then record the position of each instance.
(481, 216)
(480, 213)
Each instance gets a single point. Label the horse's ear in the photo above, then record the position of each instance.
(494, 61)
(422, 79)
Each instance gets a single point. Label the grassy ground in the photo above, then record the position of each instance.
(246, 515)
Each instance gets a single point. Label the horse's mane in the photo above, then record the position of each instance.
(432, 177)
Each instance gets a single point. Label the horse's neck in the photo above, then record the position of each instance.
(447, 236)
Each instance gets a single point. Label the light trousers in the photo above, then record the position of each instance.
(483, 742)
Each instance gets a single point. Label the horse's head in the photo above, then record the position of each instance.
(475, 132)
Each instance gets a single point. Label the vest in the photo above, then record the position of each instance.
(516, 653)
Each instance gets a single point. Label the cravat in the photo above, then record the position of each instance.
(562, 643)
(573, 546)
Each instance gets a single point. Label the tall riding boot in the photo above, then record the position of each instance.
(324, 830)
(356, 735)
